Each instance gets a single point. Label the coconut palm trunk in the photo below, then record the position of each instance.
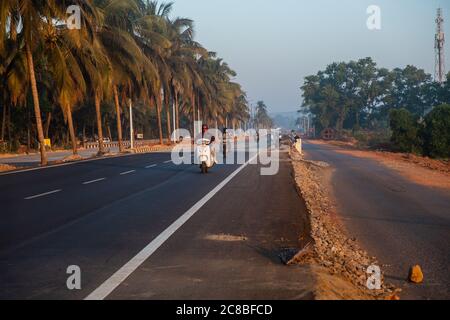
(101, 148)
(198, 114)
(158, 114)
(71, 130)
(108, 130)
(168, 117)
(47, 124)
(3, 123)
(177, 112)
(37, 109)
(193, 115)
(169, 126)
(119, 122)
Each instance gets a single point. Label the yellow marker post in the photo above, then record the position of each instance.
(48, 143)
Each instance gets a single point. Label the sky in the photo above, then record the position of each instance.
(273, 45)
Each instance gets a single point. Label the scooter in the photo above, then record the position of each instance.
(205, 154)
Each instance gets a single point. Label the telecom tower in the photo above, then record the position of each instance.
(439, 46)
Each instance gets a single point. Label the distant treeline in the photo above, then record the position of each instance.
(359, 95)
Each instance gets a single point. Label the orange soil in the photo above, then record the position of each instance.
(6, 167)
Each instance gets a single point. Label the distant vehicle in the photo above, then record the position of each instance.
(106, 140)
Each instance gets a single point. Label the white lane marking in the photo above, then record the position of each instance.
(43, 194)
(127, 172)
(150, 166)
(93, 181)
(168, 161)
(123, 273)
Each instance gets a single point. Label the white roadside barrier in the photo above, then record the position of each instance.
(299, 146)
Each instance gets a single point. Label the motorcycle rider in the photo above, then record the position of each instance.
(205, 129)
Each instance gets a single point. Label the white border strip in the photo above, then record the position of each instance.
(123, 273)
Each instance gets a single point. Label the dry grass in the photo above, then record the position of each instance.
(6, 167)
(225, 238)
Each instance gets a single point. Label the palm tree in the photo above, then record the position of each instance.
(224, 98)
(262, 117)
(96, 69)
(149, 35)
(126, 50)
(13, 78)
(126, 57)
(87, 66)
(69, 81)
(170, 49)
(30, 15)
(184, 52)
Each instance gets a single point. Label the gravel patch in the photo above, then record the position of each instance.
(332, 249)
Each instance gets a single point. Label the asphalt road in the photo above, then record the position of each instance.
(100, 214)
(398, 221)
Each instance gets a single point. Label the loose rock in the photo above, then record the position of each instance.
(416, 274)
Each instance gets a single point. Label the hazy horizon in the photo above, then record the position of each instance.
(273, 46)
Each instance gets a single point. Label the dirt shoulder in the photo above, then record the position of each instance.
(6, 167)
(421, 170)
(339, 264)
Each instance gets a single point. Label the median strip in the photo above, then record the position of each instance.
(43, 194)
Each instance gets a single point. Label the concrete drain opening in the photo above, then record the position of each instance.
(293, 256)
(225, 238)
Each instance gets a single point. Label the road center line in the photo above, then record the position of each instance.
(123, 273)
(43, 194)
(150, 166)
(94, 181)
(127, 172)
(168, 161)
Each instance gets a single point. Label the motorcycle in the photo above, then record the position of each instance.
(205, 154)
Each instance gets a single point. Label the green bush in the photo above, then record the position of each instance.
(404, 131)
(4, 147)
(375, 139)
(436, 132)
(362, 138)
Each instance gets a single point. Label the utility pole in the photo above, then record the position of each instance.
(131, 126)
(439, 47)
(252, 116)
(198, 115)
